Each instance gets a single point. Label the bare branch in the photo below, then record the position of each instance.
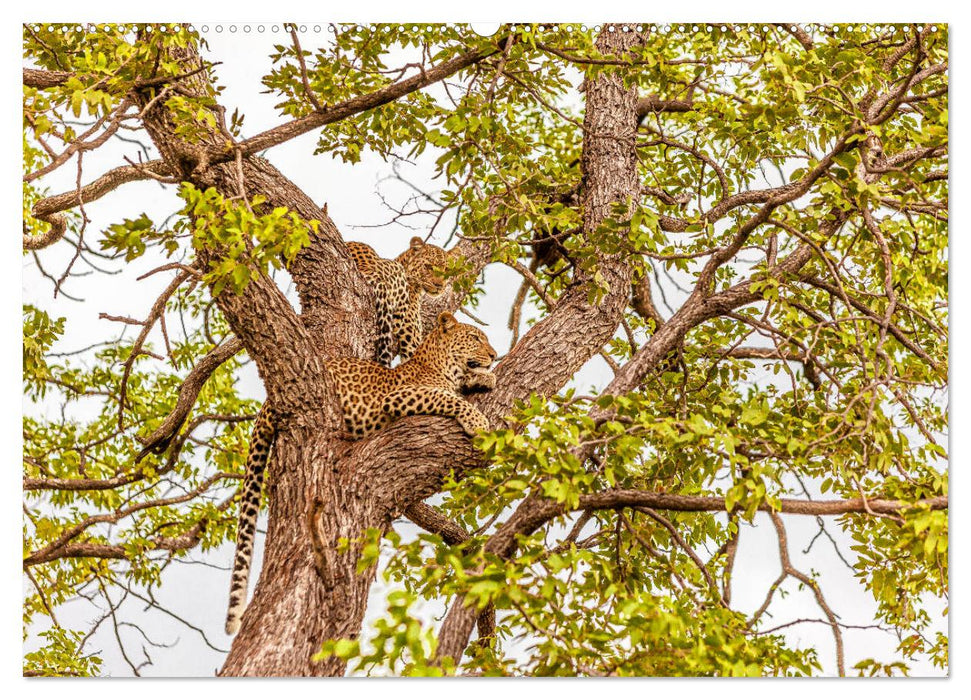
(158, 309)
(159, 440)
(42, 79)
(790, 570)
(49, 209)
(298, 50)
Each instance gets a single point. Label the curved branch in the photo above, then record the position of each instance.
(98, 188)
(362, 103)
(789, 570)
(49, 209)
(156, 313)
(535, 512)
(159, 440)
(80, 145)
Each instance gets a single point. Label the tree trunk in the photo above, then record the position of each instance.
(561, 343)
(321, 489)
(294, 609)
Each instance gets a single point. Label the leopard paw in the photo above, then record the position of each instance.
(473, 422)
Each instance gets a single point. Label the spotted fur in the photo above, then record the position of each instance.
(249, 508)
(398, 288)
(453, 357)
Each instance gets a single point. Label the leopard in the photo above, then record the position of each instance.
(453, 358)
(399, 286)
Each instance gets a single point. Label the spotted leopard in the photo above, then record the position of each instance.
(449, 358)
(454, 357)
(398, 288)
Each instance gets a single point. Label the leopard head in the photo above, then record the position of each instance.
(458, 347)
(424, 264)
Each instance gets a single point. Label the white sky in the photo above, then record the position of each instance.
(198, 592)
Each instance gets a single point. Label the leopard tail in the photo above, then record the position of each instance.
(249, 508)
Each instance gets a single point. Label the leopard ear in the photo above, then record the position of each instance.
(446, 321)
(417, 242)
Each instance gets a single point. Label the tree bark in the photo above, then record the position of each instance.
(560, 344)
(324, 493)
(294, 609)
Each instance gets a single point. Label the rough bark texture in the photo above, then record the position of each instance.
(322, 489)
(560, 344)
(324, 492)
(294, 608)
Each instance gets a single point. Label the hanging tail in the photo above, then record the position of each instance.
(249, 509)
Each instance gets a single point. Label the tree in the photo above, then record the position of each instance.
(746, 225)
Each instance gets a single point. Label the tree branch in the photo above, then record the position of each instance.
(49, 209)
(55, 548)
(534, 512)
(42, 79)
(653, 104)
(799, 34)
(334, 113)
(159, 440)
(555, 348)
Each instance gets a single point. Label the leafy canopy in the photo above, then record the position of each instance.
(626, 591)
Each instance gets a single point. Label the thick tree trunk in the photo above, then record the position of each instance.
(324, 493)
(294, 608)
(321, 489)
(297, 604)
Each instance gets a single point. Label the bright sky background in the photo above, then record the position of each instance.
(199, 593)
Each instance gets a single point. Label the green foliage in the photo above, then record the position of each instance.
(398, 643)
(249, 241)
(856, 408)
(61, 656)
(131, 236)
(750, 432)
(40, 332)
(83, 442)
